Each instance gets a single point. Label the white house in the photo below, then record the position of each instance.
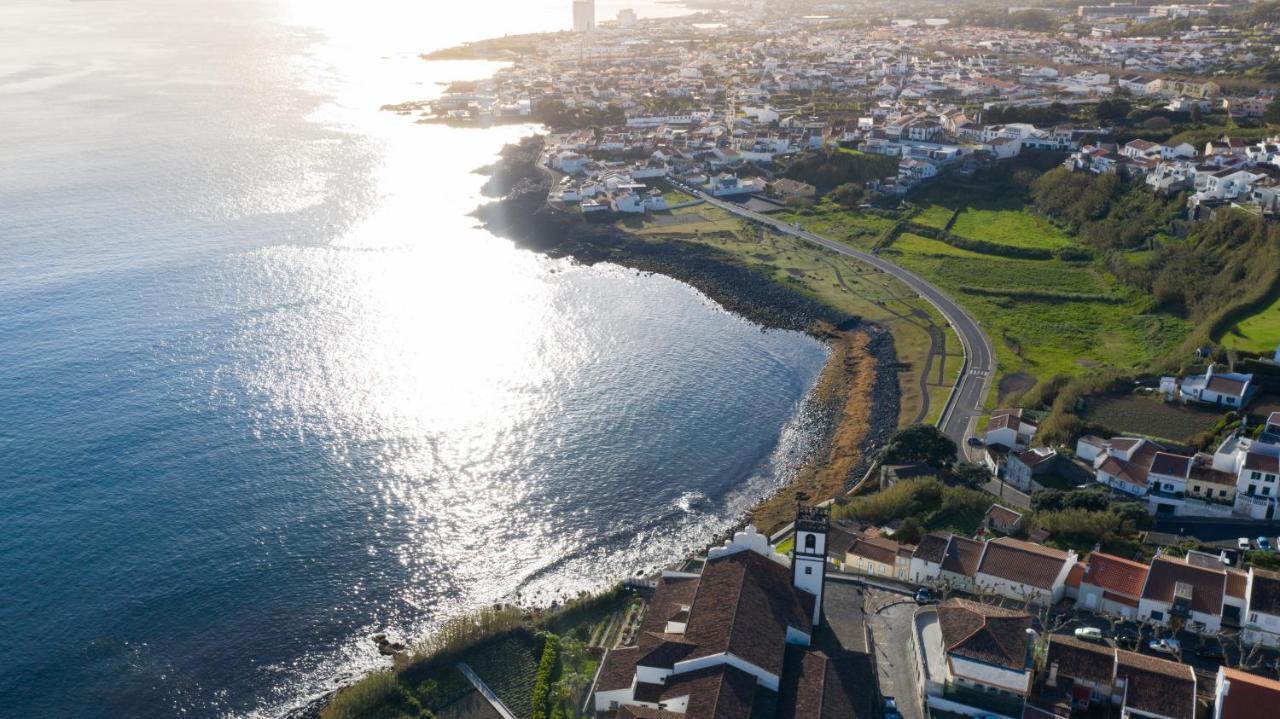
(1179, 592)
(1007, 428)
(1024, 571)
(1262, 613)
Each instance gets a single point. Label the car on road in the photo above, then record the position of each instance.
(1243, 544)
(923, 596)
(1165, 646)
(891, 709)
(1264, 544)
(1092, 634)
(975, 442)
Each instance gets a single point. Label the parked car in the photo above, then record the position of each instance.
(1092, 634)
(1211, 650)
(1243, 544)
(923, 596)
(1264, 544)
(1165, 646)
(975, 442)
(891, 709)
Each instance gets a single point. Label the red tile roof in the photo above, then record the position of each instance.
(1249, 696)
(1116, 575)
(989, 634)
(1157, 686)
(1022, 562)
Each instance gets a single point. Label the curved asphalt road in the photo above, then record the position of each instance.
(968, 396)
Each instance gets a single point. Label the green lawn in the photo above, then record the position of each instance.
(1010, 227)
(1257, 333)
(910, 243)
(934, 216)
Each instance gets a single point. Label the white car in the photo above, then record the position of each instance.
(1092, 634)
(1165, 646)
(1243, 544)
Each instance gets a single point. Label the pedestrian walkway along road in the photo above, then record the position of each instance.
(968, 396)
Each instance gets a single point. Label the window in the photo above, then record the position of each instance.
(808, 570)
(810, 542)
(1158, 616)
(1266, 491)
(1255, 475)
(1222, 492)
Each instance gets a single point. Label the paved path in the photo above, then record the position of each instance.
(978, 372)
(485, 691)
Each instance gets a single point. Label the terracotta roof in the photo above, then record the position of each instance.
(1261, 462)
(618, 670)
(1130, 472)
(1114, 574)
(988, 634)
(1237, 583)
(670, 649)
(818, 686)
(744, 604)
(669, 599)
(962, 556)
(1265, 594)
(877, 549)
(1022, 562)
(719, 692)
(1075, 575)
(932, 548)
(839, 540)
(1208, 585)
(1249, 696)
(1090, 661)
(1003, 515)
(1223, 385)
(1171, 465)
(1003, 421)
(1033, 458)
(1157, 686)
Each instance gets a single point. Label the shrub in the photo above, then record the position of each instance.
(546, 675)
(378, 696)
(920, 443)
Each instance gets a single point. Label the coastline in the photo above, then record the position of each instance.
(855, 399)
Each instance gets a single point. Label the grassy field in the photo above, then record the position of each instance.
(1257, 333)
(837, 281)
(1009, 227)
(1044, 317)
(910, 243)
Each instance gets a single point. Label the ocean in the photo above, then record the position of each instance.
(266, 388)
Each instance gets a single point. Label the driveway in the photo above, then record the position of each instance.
(890, 617)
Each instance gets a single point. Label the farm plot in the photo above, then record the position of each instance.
(1150, 416)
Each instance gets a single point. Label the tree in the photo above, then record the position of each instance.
(1197, 115)
(909, 531)
(1272, 114)
(970, 474)
(921, 443)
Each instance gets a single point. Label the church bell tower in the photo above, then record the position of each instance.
(809, 567)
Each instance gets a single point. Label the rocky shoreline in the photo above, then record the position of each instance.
(856, 398)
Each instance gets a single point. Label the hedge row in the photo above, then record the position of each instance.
(546, 670)
(1049, 295)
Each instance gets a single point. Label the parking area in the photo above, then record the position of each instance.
(890, 617)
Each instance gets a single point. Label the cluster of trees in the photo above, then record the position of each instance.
(1208, 275)
(1086, 517)
(1106, 213)
(1052, 114)
(1031, 19)
(915, 502)
(830, 168)
(558, 115)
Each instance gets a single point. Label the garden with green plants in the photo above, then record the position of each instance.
(538, 664)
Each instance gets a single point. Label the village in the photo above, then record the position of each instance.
(1105, 541)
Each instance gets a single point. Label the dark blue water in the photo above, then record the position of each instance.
(265, 389)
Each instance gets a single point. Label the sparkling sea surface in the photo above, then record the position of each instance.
(266, 389)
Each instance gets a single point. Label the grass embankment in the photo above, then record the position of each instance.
(506, 648)
(1046, 315)
(1256, 333)
(928, 352)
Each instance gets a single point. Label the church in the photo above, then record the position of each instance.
(737, 641)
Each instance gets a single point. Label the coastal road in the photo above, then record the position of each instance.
(968, 396)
